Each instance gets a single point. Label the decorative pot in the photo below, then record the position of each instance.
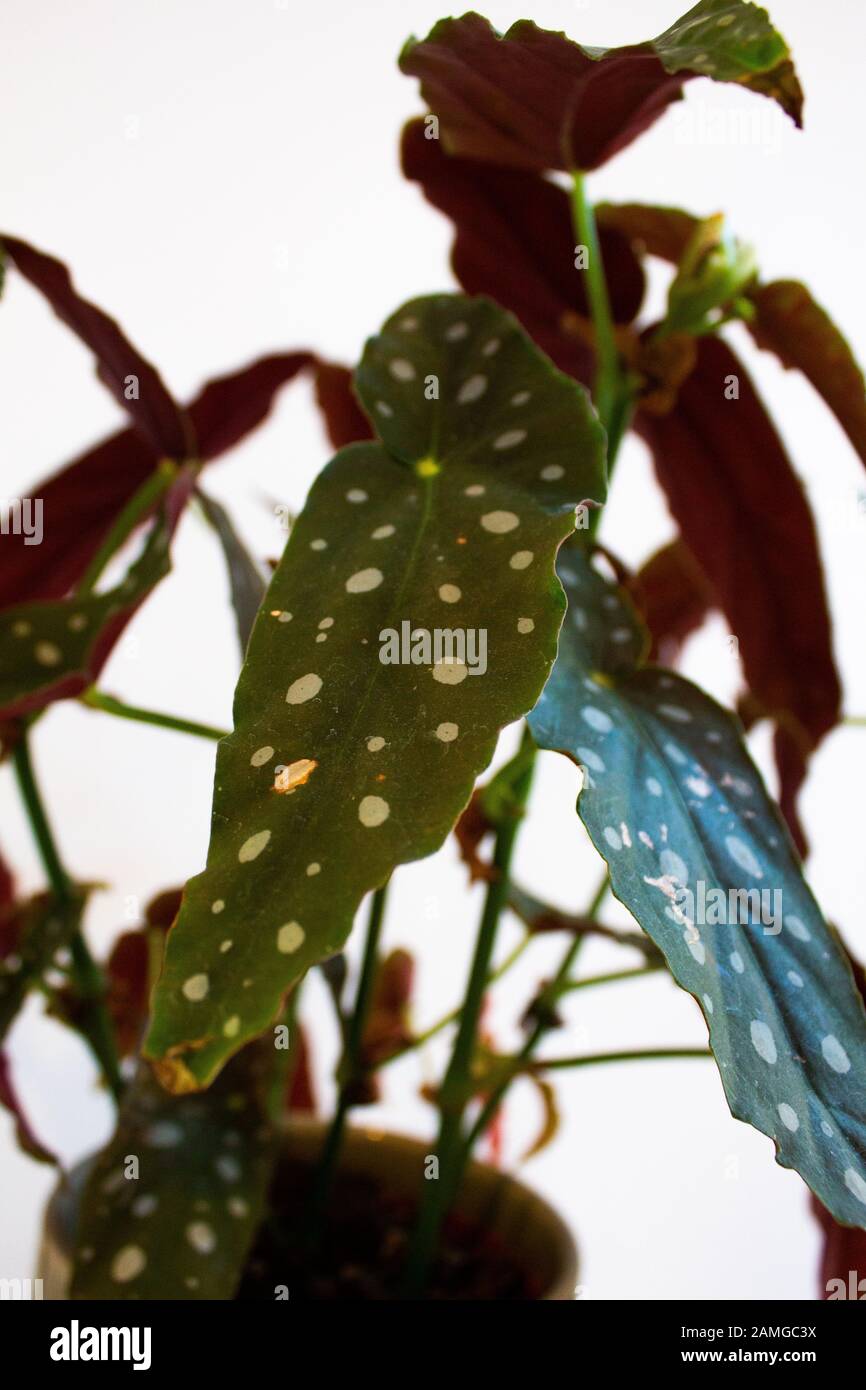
(523, 1223)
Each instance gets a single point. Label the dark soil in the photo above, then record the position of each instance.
(362, 1252)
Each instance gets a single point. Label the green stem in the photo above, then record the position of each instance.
(542, 1025)
(349, 1071)
(95, 699)
(137, 508)
(95, 1023)
(594, 1059)
(453, 1097)
(442, 1023)
(611, 978)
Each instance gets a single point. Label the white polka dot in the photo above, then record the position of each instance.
(591, 760)
(826, 1129)
(401, 369)
(217, 905)
(21, 629)
(283, 617)
(696, 946)
(472, 389)
(612, 837)
(375, 743)
(47, 654)
(450, 672)
(373, 811)
(597, 719)
(447, 732)
(674, 866)
(232, 1026)
(676, 713)
(521, 560)
(499, 523)
(699, 786)
(303, 689)
(77, 622)
(322, 637)
(795, 978)
(163, 1134)
(835, 1054)
(195, 988)
(127, 1264)
(290, 938)
(262, 756)
(313, 869)
(490, 347)
(357, 494)
(384, 409)
(653, 786)
(737, 962)
(855, 1184)
(521, 397)
(789, 1117)
(226, 946)
(475, 490)
(237, 1206)
(798, 929)
(457, 331)
(525, 625)
(201, 1237)
(364, 581)
(228, 1167)
(252, 848)
(408, 324)
(763, 1041)
(326, 622)
(708, 1003)
(382, 533)
(509, 439)
(145, 1205)
(319, 544)
(449, 593)
(743, 856)
(552, 473)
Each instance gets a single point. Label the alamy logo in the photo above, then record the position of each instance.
(77, 1343)
(855, 1289)
(22, 516)
(718, 907)
(454, 653)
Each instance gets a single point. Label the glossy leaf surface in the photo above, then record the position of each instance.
(699, 855)
(342, 765)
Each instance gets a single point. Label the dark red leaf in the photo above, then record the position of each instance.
(24, 1134)
(471, 830)
(791, 324)
(301, 1096)
(134, 383)
(533, 99)
(674, 597)
(345, 421)
(81, 501)
(514, 242)
(741, 508)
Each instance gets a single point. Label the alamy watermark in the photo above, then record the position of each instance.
(719, 907)
(22, 516)
(453, 652)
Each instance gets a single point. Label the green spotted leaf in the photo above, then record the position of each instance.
(172, 1203)
(533, 99)
(51, 651)
(700, 856)
(34, 931)
(355, 745)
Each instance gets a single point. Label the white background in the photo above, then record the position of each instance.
(222, 175)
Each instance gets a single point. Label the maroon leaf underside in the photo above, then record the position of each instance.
(534, 99)
(25, 1135)
(345, 421)
(674, 597)
(741, 509)
(149, 405)
(514, 242)
(82, 500)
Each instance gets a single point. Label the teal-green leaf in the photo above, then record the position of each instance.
(172, 1202)
(54, 650)
(673, 802)
(342, 765)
